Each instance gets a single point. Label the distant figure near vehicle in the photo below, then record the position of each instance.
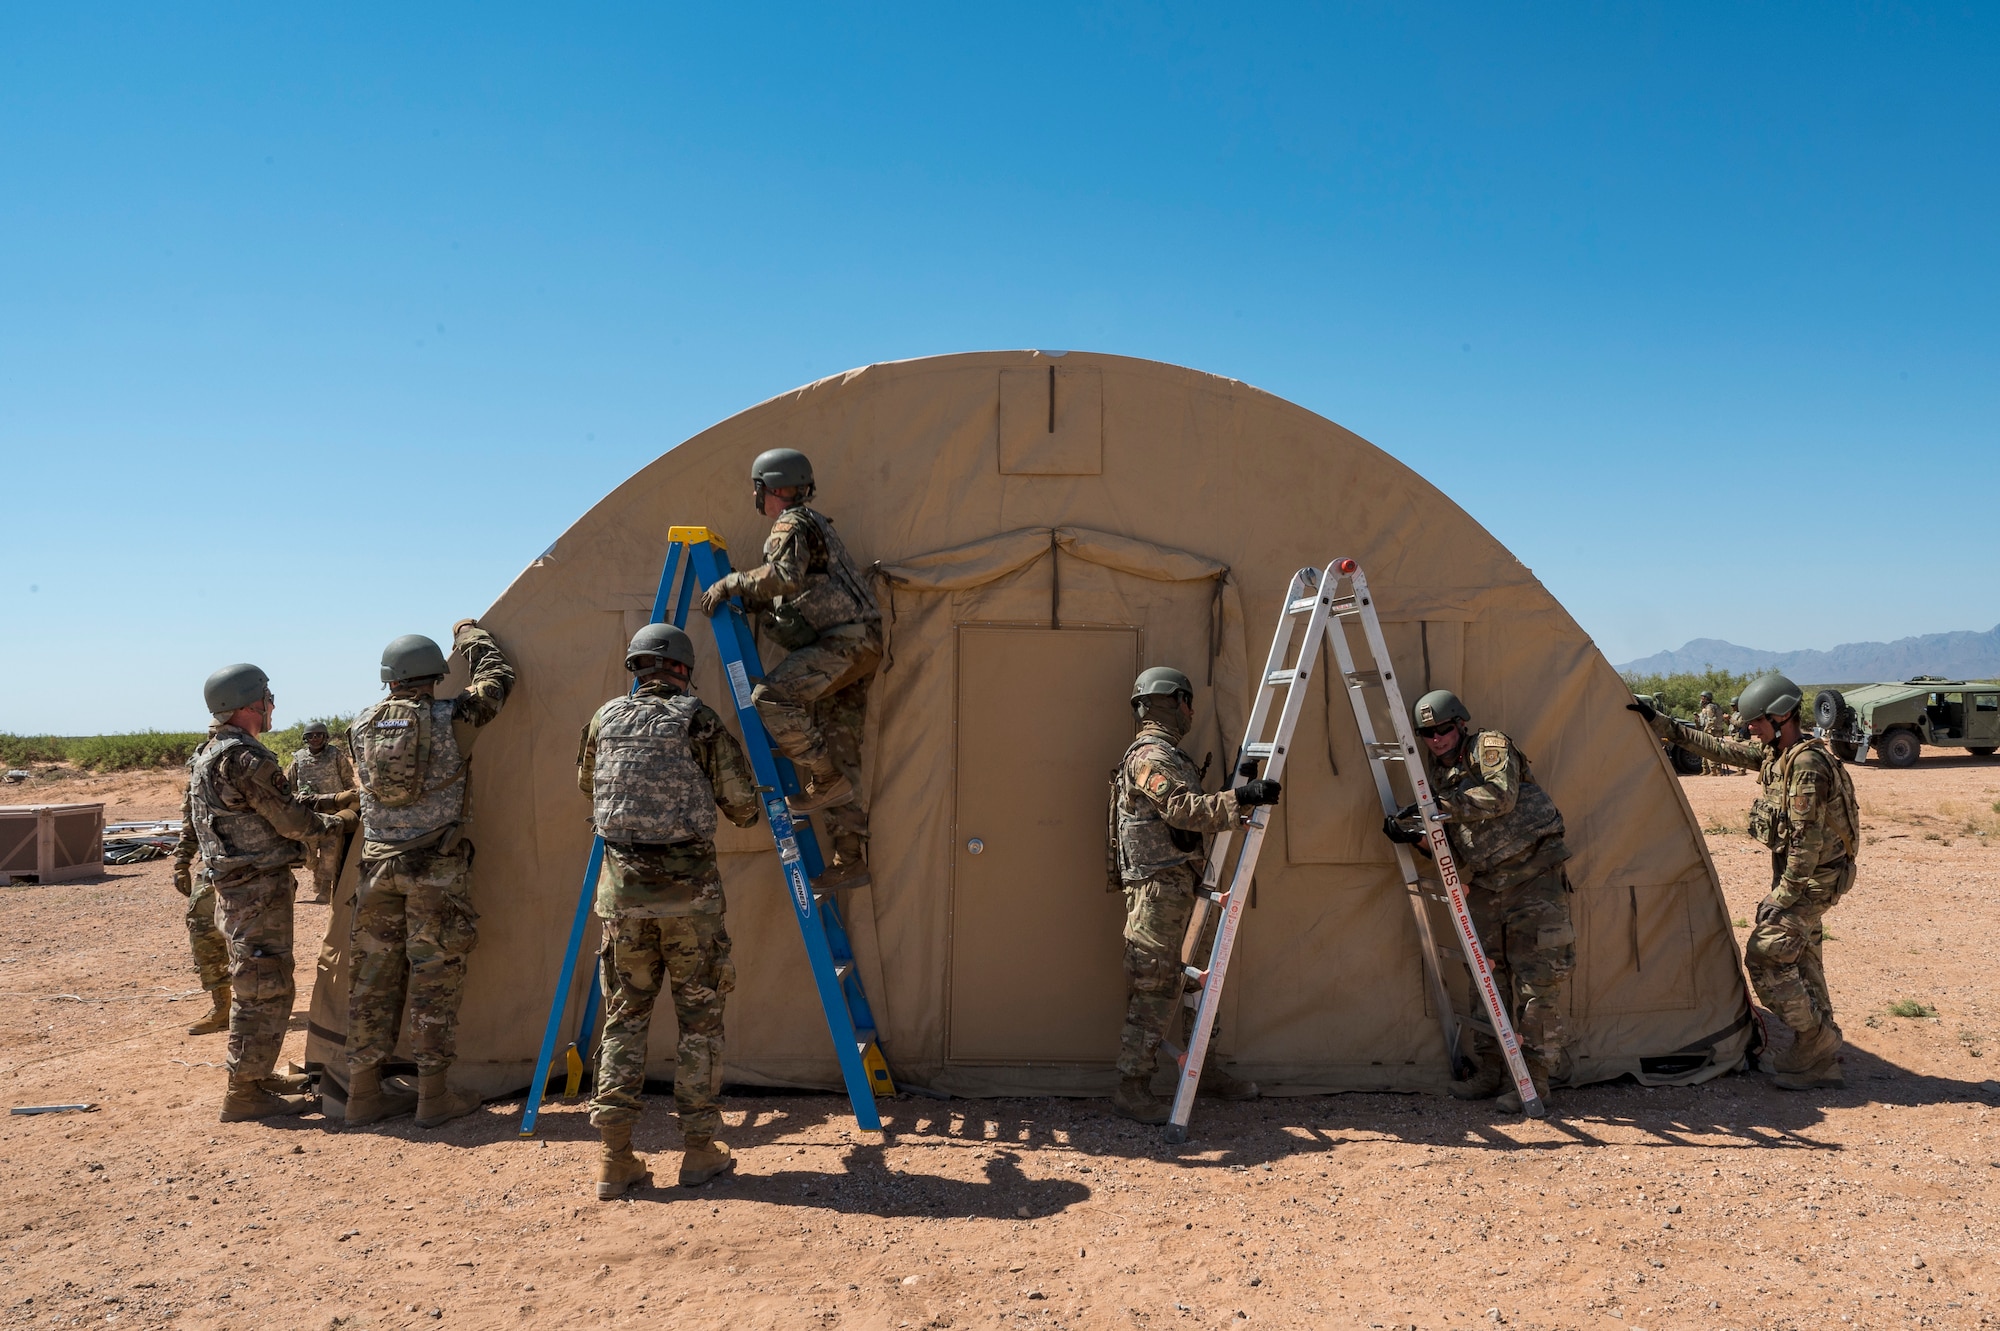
(1507, 836)
(321, 767)
(1712, 722)
(822, 611)
(1808, 817)
(656, 764)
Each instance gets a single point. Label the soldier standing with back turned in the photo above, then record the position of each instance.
(1806, 814)
(1712, 722)
(1507, 836)
(656, 764)
(822, 611)
(1161, 816)
(413, 911)
(240, 811)
(321, 767)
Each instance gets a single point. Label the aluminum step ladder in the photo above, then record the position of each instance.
(1329, 606)
(697, 558)
(1344, 591)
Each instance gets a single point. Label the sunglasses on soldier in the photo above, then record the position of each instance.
(1432, 732)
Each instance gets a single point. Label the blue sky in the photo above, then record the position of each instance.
(1693, 306)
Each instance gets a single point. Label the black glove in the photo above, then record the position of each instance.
(1263, 790)
(1643, 708)
(1247, 769)
(1401, 835)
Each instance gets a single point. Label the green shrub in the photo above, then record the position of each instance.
(140, 750)
(1683, 691)
(1910, 1007)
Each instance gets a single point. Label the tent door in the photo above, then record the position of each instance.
(1036, 960)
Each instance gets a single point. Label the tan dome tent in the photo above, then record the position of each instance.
(1045, 525)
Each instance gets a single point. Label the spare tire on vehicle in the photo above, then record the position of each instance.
(1828, 707)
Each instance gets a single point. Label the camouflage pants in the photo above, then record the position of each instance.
(210, 948)
(1530, 943)
(691, 953)
(1156, 920)
(1783, 956)
(323, 859)
(256, 921)
(414, 921)
(814, 704)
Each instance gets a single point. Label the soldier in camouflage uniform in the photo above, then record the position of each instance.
(240, 812)
(210, 948)
(1507, 837)
(821, 609)
(321, 767)
(1807, 816)
(1712, 722)
(1160, 815)
(413, 911)
(657, 764)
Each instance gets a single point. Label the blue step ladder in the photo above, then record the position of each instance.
(696, 556)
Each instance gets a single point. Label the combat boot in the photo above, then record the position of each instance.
(1812, 1062)
(287, 1083)
(369, 1102)
(618, 1170)
(218, 1016)
(822, 791)
(703, 1159)
(849, 869)
(246, 1099)
(1134, 1099)
(1218, 1084)
(438, 1103)
(1510, 1099)
(1483, 1084)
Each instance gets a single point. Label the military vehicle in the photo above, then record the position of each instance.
(1685, 761)
(1897, 720)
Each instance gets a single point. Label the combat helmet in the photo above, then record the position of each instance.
(315, 728)
(1161, 682)
(660, 640)
(412, 657)
(235, 687)
(780, 469)
(1708, 695)
(1770, 695)
(1439, 707)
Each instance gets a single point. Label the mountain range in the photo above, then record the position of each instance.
(1961, 655)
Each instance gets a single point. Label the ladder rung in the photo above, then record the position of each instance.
(842, 969)
(1480, 1024)
(1387, 750)
(1207, 894)
(1450, 953)
(1171, 1047)
(1343, 605)
(1194, 975)
(1303, 606)
(1369, 677)
(1259, 750)
(1285, 677)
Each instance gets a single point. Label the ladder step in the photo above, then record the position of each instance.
(1477, 1023)
(1303, 606)
(1343, 605)
(1364, 677)
(1450, 953)
(842, 969)
(1172, 1048)
(1258, 750)
(1194, 975)
(1389, 749)
(1285, 677)
(1207, 894)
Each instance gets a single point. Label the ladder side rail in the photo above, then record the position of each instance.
(1406, 860)
(732, 638)
(1440, 846)
(580, 924)
(1216, 972)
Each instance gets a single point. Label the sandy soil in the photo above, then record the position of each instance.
(1729, 1205)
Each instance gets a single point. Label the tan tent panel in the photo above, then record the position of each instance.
(1043, 527)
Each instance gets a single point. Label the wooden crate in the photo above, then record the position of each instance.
(51, 843)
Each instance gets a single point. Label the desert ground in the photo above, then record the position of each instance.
(1730, 1205)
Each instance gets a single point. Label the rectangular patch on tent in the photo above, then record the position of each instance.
(1052, 421)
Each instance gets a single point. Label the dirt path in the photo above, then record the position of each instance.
(1730, 1205)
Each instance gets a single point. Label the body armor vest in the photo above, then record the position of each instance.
(1146, 845)
(1771, 816)
(411, 773)
(837, 594)
(317, 774)
(1488, 844)
(647, 787)
(234, 841)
